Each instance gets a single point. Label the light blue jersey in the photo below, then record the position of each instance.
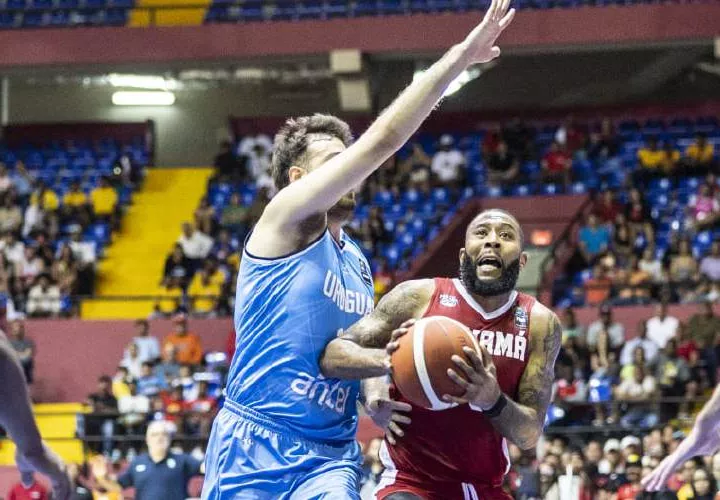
(287, 310)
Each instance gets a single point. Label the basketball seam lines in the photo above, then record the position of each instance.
(421, 369)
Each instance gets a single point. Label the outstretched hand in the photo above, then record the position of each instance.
(480, 43)
(385, 412)
(480, 381)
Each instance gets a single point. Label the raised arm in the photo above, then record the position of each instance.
(322, 188)
(360, 351)
(16, 417)
(703, 440)
(520, 421)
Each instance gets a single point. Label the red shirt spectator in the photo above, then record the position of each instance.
(556, 160)
(35, 491)
(628, 491)
(174, 404)
(491, 141)
(607, 208)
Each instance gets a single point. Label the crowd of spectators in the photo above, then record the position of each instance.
(45, 256)
(166, 380)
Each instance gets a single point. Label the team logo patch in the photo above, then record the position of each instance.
(365, 273)
(521, 318)
(448, 300)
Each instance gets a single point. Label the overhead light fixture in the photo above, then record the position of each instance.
(149, 82)
(147, 98)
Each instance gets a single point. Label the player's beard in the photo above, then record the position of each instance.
(344, 209)
(491, 288)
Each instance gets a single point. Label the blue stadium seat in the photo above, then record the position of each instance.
(578, 188)
(395, 212)
(520, 190)
(15, 4)
(42, 4)
(285, 11)
(336, 8)
(383, 198)
(389, 7)
(411, 198)
(251, 12)
(492, 191)
(217, 13)
(366, 8)
(311, 9)
(392, 256)
(441, 196)
(116, 17)
(7, 20)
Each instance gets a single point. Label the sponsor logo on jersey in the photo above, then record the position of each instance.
(521, 319)
(503, 344)
(348, 301)
(448, 300)
(327, 393)
(365, 273)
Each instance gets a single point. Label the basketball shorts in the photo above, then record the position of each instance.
(396, 483)
(252, 457)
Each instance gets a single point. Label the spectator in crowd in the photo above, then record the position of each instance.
(169, 298)
(148, 346)
(202, 408)
(671, 372)
(133, 408)
(120, 382)
(611, 463)
(24, 348)
(104, 201)
(43, 299)
(85, 253)
(570, 136)
(188, 347)
(633, 473)
(622, 243)
(683, 269)
(6, 182)
(710, 264)
(11, 217)
(28, 488)
(22, 181)
(225, 246)
(649, 347)
(633, 283)
(234, 217)
(448, 163)
(186, 381)
(228, 167)
(175, 406)
(704, 331)
(637, 214)
(149, 383)
(75, 205)
(158, 474)
(132, 361)
(607, 208)
(570, 326)
(652, 266)
(195, 244)
(670, 159)
(598, 287)
(205, 217)
(168, 368)
(703, 208)
(606, 327)
(101, 422)
(519, 138)
(64, 271)
(206, 288)
(650, 158)
(686, 475)
(418, 168)
(556, 165)
(7, 278)
(641, 388)
(503, 166)
(699, 156)
(704, 485)
(262, 198)
(662, 327)
(13, 248)
(593, 240)
(177, 265)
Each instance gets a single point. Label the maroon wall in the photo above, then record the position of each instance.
(72, 353)
(534, 29)
(440, 122)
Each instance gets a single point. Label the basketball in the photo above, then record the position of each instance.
(420, 364)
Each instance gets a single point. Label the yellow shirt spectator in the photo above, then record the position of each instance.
(651, 158)
(700, 153)
(50, 200)
(104, 198)
(207, 292)
(75, 199)
(120, 389)
(168, 298)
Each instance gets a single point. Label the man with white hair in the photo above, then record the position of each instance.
(158, 474)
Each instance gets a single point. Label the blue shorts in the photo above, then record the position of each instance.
(252, 457)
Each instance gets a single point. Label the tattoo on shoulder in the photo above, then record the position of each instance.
(407, 300)
(536, 388)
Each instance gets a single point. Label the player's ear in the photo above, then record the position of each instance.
(523, 259)
(295, 173)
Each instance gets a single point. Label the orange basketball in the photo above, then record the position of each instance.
(420, 364)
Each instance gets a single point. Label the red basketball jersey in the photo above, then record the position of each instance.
(460, 444)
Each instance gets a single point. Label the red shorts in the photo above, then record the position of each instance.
(395, 483)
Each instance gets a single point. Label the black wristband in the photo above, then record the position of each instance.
(497, 408)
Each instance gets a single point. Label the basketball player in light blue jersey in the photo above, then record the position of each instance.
(286, 431)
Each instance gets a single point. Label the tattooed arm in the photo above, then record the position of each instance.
(360, 351)
(520, 421)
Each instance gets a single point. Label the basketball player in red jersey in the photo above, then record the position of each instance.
(460, 453)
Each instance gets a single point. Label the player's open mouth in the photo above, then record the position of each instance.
(490, 261)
